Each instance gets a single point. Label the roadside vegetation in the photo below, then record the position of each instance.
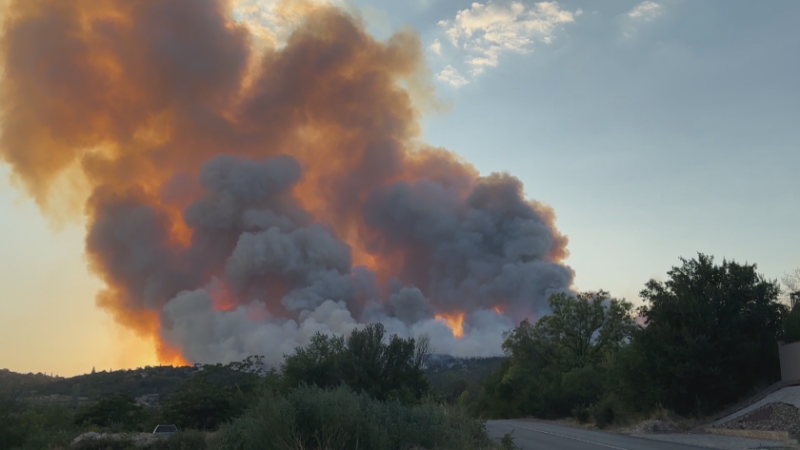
(701, 340)
(368, 390)
(704, 338)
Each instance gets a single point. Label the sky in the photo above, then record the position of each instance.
(655, 130)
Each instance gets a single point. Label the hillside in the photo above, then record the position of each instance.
(13, 381)
(448, 375)
(161, 380)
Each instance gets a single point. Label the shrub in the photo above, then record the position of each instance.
(507, 442)
(608, 411)
(314, 418)
(104, 443)
(184, 440)
(581, 414)
(119, 411)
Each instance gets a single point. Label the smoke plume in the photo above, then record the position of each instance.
(243, 196)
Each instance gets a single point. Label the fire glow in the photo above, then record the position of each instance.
(249, 196)
(454, 321)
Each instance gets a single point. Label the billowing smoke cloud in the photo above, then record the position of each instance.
(241, 201)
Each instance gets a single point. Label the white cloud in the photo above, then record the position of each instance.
(436, 47)
(486, 31)
(645, 11)
(271, 21)
(451, 76)
(636, 18)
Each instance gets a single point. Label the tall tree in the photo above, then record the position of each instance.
(710, 335)
(385, 367)
(558, 363)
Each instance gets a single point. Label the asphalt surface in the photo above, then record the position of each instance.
(531, 435)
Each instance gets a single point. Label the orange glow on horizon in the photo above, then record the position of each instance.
(454, 321)
(168, 355)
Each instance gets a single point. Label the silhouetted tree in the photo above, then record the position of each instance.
(120, 410)
(711, 335)
(367, 361)
(561, 362)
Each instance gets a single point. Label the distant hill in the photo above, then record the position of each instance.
(448, 374)
(161, 380)
(13, 381)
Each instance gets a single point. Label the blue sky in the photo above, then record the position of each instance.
(656, 130)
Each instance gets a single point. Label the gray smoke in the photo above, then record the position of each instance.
(286, 277)
(242, 202)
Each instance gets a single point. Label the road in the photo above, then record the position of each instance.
(531, 435)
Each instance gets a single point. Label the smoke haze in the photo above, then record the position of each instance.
(242, 196)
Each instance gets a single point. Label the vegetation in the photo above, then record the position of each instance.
(703, 338)
(368, 388)
(459, 380)
(708, 336)
(213, 396)
(339, 418)
(113, 411)
(562, 363)
(367, 362)
(161, 381)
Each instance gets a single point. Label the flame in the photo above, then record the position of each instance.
(498, 310)
(168, 355)
(222, 297)
(180, 234)
(454, 321)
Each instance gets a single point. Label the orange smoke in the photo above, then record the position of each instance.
(455, 321)
(139, 95)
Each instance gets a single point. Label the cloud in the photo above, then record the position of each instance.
(436, 47)
(451, 76)
(271, 21)
(487, 30)
(646, 11)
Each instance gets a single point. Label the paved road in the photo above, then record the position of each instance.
(546, 436)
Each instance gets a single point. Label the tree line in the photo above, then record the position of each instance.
(703, 339)
(366, 390)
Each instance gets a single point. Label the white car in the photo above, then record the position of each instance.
(165, 430)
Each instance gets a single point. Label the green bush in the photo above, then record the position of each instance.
(184, 440)
(581, 414)
(120, 412)
(507, 442)
(37, 427)
(608, 411)
(314, 418)
(104, 443)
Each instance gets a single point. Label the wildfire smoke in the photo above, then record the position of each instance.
(242, 197)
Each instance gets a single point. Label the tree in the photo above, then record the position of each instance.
(583, 327)
(117, 410)
(316, 364)
(792, 282)
(215, 395)
(367, 361)
(559, 363)
(202, 405)
(710, 335)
